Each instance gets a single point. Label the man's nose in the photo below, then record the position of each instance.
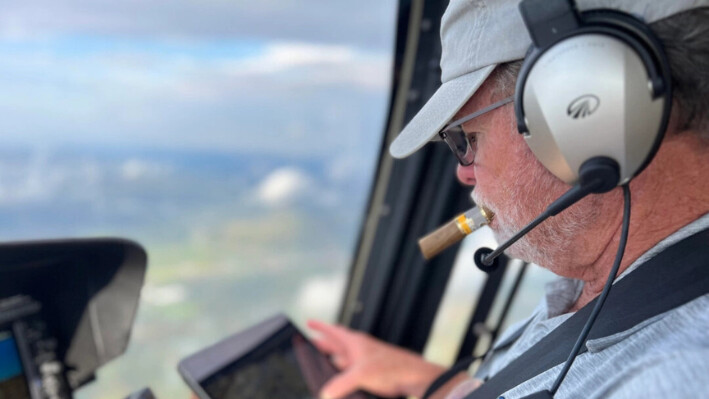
(466, 174)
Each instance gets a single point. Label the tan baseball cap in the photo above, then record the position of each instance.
(476, 36)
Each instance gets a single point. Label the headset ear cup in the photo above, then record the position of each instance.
(594, 94)
(519, 89)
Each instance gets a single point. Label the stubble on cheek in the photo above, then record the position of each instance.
(517, 188)
(505, 223)
(519, 196)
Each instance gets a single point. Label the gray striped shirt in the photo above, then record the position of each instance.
(665, 356)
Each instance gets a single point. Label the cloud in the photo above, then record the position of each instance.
(316, 64)
(163, 295)
(237, 96)
(320, 296)
(362, 23)
(37, 178)
(284, 186)
(136, 169)
(281, 56)
(289, 186)
(281, 67)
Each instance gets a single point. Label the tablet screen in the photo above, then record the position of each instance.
(284, 365)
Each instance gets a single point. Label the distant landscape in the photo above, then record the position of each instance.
(232, 239)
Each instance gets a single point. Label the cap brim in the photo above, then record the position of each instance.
(439, 110)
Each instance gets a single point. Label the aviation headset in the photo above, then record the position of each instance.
(594, 94)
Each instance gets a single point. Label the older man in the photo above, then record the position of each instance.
(664, 356)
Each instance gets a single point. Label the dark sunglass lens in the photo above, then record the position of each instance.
(459, 144)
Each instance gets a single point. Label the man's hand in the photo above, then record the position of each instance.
(370, 364)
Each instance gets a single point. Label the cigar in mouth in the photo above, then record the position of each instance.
(454, 231)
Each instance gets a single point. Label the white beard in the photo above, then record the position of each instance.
(507, 224)
(543, 244)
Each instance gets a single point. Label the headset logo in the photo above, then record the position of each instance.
(583, 106)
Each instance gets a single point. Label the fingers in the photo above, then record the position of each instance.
(333, 346)
(327, 346)
(330, 330)
(338, 354)
(333, 339)
(341, 385)
(341, 362)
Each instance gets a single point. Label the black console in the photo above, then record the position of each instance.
(66, 309)
(29, 365)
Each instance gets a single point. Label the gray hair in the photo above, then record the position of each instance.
(686, 40)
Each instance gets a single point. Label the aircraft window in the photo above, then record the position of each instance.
(235, 140)
(461, 296)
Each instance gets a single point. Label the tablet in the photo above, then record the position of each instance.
(270, 360)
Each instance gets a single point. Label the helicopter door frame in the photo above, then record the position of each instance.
(392, 292)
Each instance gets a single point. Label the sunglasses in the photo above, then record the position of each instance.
(460, 143)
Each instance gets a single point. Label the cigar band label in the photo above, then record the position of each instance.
(462, 223)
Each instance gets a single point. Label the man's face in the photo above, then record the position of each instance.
(510, 181)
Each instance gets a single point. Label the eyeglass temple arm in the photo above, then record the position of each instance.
(480, 112)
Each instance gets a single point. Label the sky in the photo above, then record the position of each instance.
(366, 24)
(230, 76)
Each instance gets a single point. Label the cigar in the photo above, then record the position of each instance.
(454, 231)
